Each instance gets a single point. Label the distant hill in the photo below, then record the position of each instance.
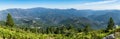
(96, 18)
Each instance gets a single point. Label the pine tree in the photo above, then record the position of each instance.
(9, 21)
(110, 24)
(87, 28)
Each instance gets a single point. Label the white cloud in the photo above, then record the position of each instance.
(100, 2)
(101, 5)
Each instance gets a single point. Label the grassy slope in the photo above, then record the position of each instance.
(8, 32)
(15, 33)
(117, 33)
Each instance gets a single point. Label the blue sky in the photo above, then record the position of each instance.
(61, 4)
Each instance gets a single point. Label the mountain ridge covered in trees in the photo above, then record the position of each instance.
(12, 31)
(54, 17)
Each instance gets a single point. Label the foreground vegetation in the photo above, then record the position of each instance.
(17, 33)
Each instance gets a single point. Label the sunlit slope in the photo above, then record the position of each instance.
(15, 33)
(6, 32)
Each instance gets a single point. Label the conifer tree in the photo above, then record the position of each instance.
(87, 28)
(110, 24)
(9, 21)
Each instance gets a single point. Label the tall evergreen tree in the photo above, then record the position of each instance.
(87, 28)
(9, 21)
(110, 24)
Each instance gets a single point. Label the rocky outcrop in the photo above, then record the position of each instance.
(111, 36)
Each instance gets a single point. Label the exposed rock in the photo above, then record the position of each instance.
(111, 36)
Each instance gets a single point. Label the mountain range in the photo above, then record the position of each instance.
(96, 18)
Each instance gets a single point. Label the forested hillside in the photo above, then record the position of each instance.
(11, 31)
(56, 17)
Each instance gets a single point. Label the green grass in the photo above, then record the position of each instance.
(17, 33)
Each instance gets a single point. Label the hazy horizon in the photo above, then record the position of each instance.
(62, 4)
